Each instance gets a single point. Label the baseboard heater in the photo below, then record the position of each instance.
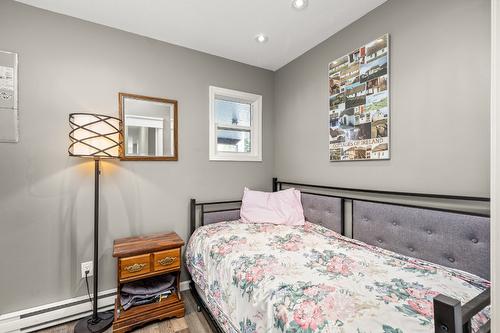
(55, 313)
(58, 313)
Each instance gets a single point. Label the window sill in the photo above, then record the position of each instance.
(236, 159)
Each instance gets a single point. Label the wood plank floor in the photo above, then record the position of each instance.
(193, 322)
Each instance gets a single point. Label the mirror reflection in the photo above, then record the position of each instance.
(149, 127)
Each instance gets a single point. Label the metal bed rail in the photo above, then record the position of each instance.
(451, 316)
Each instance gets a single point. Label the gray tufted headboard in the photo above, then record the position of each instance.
(222, 215)
(453, 239)
(323, 210)
(450, 239)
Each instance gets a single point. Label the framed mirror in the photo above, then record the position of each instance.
(149, 128)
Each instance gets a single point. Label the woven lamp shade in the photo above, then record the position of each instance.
(94, 135)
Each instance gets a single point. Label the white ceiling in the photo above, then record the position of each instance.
(224, 28)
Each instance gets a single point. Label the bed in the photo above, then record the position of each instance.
(312, 278)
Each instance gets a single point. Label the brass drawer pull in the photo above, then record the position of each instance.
(166, 261)
(135, 268)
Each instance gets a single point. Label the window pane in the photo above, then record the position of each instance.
(235, 141)
(232, 113)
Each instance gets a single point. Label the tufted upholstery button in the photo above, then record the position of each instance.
(429, 232)
(411, 249)
(474, 240)
(365, 219)
(450, 259)
(394, 223)
(379, 240)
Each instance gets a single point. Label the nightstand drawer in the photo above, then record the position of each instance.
(133, 266)
(167, 259)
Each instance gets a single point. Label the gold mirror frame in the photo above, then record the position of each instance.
(123, 157)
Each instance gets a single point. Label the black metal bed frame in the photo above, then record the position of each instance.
(450, 316)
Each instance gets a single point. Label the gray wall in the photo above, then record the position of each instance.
(440, 76)
(46, 197)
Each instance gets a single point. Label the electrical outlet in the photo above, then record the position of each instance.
(87, 266)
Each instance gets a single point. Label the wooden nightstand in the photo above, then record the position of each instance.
(143, 257)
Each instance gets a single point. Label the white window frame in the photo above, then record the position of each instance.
(255, 155)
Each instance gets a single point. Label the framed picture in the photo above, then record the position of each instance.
(359, 103)
(9, 128)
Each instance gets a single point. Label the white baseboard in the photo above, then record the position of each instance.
(57, 313)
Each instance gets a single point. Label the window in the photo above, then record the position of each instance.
(235, 125)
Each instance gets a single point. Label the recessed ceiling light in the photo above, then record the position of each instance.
(299, 4)
(261, 38)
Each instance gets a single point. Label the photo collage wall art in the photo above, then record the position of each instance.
(359, 103)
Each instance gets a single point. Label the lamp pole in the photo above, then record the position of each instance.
(97, 173)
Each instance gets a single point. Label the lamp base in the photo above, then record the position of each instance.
(86, 325)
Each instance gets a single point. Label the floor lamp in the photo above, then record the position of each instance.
(94, 136)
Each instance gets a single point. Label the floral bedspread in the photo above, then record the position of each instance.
(275, 278)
